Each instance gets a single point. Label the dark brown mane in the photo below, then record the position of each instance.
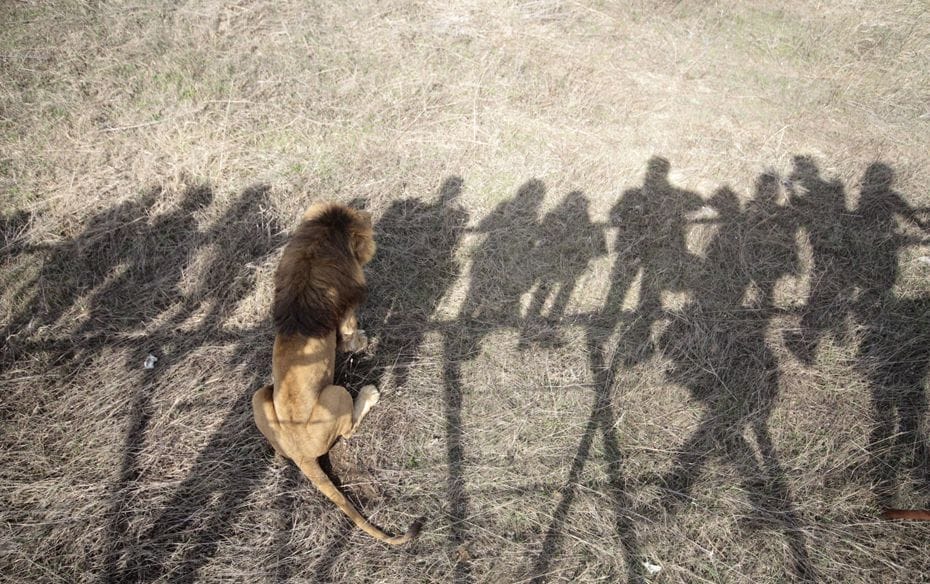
(318, 278)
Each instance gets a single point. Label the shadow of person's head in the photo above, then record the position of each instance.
(450, 190)
(196, 197)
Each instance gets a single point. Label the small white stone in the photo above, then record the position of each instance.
(651, 568)
(150, 361)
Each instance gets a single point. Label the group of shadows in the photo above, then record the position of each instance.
(127, 265)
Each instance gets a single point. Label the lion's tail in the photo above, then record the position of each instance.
(913, 515)
(319, 478)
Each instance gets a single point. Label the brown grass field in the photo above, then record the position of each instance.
(651, 298)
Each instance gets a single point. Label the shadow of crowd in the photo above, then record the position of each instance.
(128, 262)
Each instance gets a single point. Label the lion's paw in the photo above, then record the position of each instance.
(361, 340)
(357, 341)
(369, 394)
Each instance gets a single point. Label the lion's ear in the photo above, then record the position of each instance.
(363, 243)
(363, 246)
(364, 218)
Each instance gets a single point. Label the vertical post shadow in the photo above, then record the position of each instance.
(601, 417)
(129, 475)
(323, 568)
(455, 454)
(202, 506)
(285, 506)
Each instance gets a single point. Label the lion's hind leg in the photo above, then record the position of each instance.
(266, 418)
(367, 398)
(337, 415)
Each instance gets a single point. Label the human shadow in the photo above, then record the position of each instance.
(709, 344)
(200, 510)
(651, 258)
(413, 269)
(125, 269)
(148, 283)
(202, 507)
(500, 274)
(72, 269)
(651, 222)
(491, 303)
(569, 242)
(895, 351)
(241, 239)
(821, 208)
(13, 228)
(894, 356)
(856, 268)
(716, 344)
(128, 264)
(717, 349)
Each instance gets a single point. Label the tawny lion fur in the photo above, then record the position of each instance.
(318, 285)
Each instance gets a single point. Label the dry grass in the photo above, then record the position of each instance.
(720, 370)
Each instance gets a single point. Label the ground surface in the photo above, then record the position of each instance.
(652, 289)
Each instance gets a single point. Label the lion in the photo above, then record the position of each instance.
(318, 285)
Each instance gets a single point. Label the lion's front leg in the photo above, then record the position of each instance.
(351, 338)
